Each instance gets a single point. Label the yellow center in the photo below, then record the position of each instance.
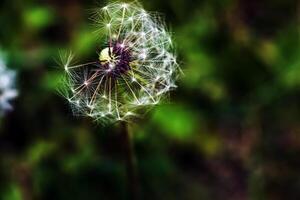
(104, 55)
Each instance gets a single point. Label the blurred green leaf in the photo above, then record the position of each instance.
(288, 64)
(75, 162)
(177, 121)
(39, 151)
(209, 143)
(13, 193)
(38, 17)
(52, 80)
(85, 42)
(291, 77)
(199, 68)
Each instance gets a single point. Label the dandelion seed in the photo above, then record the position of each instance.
(135, 68)
(7, 87)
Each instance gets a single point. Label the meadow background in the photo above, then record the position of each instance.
(231, 130)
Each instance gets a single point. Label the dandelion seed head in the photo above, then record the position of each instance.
(136, 66)
(7, 87)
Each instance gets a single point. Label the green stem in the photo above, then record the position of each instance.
(131, 164)
(23, 177)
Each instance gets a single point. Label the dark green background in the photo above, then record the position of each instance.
(231, 129)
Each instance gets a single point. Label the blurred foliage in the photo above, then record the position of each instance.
(230, 132)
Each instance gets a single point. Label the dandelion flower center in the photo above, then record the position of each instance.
(116, 58)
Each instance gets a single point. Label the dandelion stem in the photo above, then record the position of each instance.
(24, 180)
(131, 163)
